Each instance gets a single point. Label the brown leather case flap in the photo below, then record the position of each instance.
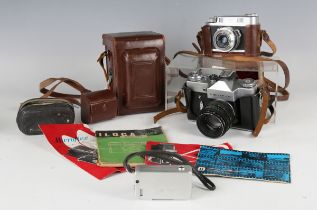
(139, 35)
(142, 73)
(98, 106)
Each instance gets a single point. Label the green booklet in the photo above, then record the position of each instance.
(114, 146)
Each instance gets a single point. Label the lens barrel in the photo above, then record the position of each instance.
(215, 119)
(222, 40)
(226, 39)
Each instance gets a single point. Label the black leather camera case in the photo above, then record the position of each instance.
(38, 111)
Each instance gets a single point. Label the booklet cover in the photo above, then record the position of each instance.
(77, 143)
(274, 167)
(114, 146)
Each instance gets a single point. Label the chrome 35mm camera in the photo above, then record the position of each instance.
(219, 100)
(235, 34)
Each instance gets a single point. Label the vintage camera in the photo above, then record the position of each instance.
(233, 34)
(164, 182)
(219, 100)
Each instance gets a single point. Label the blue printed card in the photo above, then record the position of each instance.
(273, 167)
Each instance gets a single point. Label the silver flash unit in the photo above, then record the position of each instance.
(164, 182)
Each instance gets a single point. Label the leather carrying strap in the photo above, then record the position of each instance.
(167, 60)
(51, 92)
(265, 37)
(105, 71)
(180, 107)
(273, 87)
(204, 40)
(264, 107)
(283, 93)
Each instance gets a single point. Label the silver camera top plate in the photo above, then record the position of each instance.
(242, 20)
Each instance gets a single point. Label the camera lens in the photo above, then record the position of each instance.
(222, 41)
(215, 119)
(226, 39)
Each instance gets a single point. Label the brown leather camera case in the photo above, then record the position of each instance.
(252, 40)
(98, 106)
(136, 62)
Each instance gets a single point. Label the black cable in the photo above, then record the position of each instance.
(172, 158)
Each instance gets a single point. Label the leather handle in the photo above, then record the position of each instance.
(180, 107)
(105, 71)
(273, 87)
(262, 120)
(52, 93)
(205, 41)
(197, 48)
(49, 92)
(167, 60)
(265, 37)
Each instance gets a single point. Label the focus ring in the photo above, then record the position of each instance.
(215, 119)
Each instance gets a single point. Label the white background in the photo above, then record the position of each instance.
(41, 39)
